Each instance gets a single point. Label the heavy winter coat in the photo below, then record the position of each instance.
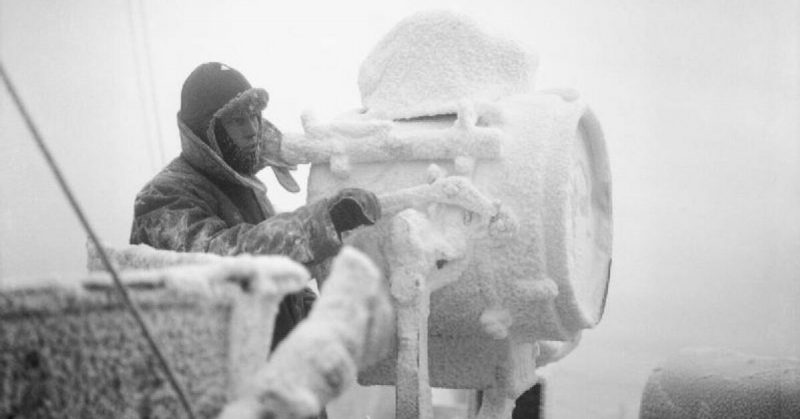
(198, 203)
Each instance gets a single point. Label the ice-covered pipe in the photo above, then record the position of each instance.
(368, 140)
(717, 383)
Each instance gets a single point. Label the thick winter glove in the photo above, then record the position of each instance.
(352, 207)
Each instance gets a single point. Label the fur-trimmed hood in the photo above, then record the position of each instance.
(246, 103)
(207, 155)
(209, 160)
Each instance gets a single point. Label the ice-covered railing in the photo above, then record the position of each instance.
(496, 235)
(75, 352)
(346, 142)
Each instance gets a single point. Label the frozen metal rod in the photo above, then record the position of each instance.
(93, 237)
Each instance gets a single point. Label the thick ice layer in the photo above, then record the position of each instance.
(359, 140)
(85, 349)
(213, 318)
(431, 61)
(145, 267)
(144, 257)
(515, 249)
(349, 327)
(496, 235)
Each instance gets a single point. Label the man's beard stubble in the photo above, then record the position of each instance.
(240, 160)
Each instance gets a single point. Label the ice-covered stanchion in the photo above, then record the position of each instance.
(348, 329)
(496, 236)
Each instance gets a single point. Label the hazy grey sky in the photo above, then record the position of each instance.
(698, 100)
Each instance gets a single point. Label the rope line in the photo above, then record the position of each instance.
(151, 83)
(134, 310)
(153, 150)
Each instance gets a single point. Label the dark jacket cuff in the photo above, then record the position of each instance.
(324, 241)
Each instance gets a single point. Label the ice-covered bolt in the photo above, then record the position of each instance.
(464, 165)
(468, 216)
(496, 321)
(435, 173)
(503, 226)
(467, 117)
(340, 166)
(310, 124)
(451, 190)
(567, 94)
(407, 290)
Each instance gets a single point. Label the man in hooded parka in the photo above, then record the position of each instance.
(209, 200)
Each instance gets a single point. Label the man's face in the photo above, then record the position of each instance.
(241, 148)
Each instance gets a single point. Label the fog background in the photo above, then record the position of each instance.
(699, 101)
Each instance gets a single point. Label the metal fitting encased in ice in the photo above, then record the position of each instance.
(546, 252)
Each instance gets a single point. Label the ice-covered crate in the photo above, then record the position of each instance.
(79, 354)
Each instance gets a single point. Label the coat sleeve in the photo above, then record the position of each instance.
(184, 218)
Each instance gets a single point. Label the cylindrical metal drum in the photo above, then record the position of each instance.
(551, 176)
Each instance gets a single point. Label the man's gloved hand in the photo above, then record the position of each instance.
(353, 207)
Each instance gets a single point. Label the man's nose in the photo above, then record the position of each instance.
(251, 127)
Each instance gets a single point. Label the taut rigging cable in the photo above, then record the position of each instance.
(131, 306)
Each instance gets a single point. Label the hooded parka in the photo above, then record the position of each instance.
(199, 203)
